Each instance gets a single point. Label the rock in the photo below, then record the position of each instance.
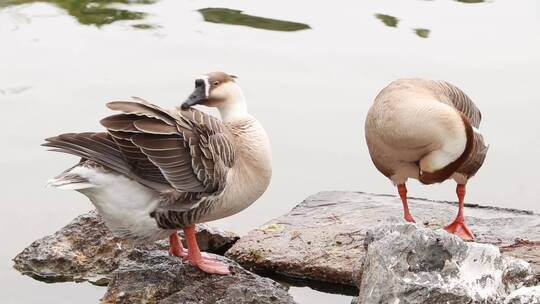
(524, 295)
(407, 263)
(154, 277)
(527, 250)
(322, 238)
(85, 250)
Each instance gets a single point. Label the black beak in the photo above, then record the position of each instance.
(197, 97)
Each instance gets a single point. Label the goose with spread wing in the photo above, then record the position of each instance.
(426, 130)
(155, 171)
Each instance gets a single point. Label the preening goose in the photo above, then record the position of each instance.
(156, 171)
(426, 130)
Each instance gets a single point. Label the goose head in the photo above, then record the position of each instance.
(218, 90)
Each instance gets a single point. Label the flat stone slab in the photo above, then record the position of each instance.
(85, 250)
(154, 277)
(322, 238)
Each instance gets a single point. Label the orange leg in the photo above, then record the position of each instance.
(176, 249)
(458, 226)
(175, 246)
(402, 189)
(200, 260)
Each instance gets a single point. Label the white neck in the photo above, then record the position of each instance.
(234, 107)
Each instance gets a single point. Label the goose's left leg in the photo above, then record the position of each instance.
(458, 226)
(201, 260)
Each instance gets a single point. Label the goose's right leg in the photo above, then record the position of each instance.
(402, 189)
(198, 258)
(175, 246)
(458, 226)
(176, 249)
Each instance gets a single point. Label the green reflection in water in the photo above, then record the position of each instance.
(471, 1)
(92, 12)
(388, 20)
(144, 26)
(236, 17)
(421, 32)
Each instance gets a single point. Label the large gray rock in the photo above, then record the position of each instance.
(407, 263)
(524, 295)
(322, 238)
(154, 277)
(85, 250)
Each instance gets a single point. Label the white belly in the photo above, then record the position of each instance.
(124, 204)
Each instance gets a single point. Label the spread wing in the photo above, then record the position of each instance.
(186, 151)
(192, 150)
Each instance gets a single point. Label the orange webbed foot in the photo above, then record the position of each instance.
(178, 252)
(209, 265)
(183, 253)
(459, 228)
(409, 218)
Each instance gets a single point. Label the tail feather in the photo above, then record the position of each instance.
(69, 181)
(98, 147)
(102, 149)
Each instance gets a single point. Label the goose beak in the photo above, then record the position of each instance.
(197, 97)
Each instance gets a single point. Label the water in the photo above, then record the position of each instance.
(308, 69)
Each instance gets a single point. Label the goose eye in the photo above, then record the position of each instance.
(216, 83)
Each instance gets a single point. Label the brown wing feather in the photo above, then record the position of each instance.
(190, 148)
(462, 102)
(101, 148)
(122, 128)
(141, 109)
(187, 150)
(121, 123)
(155, 126)
(476, 158)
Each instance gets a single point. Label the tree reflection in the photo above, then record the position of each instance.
(470, 1)
(93, 12)
(388, 20)
(236, 17)
(422, 33)
(392, 21)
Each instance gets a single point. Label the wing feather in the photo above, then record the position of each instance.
(191, 149)
(186, 151)
(462, 102)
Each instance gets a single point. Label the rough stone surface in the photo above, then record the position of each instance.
(154, 277)
(527, 250)
(85, 250)
(524, 295)
(322, 238)
(407, 263)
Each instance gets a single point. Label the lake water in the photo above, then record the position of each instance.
(309, 70)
